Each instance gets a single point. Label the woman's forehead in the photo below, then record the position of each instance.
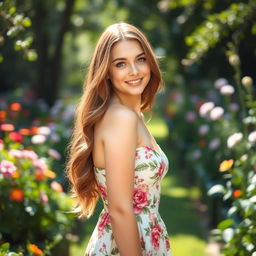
(126, 48)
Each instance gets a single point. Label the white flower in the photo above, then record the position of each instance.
(234, 59)
(206, 108)
(203, 129)
(252, 136)
(214, 143)
(227, 89)
(38, 139)
(247, 81)
(44, 130)
(234, 139)
(216, 113)
(244, 158)
(220, 82)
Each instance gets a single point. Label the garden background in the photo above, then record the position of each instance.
(204, 119)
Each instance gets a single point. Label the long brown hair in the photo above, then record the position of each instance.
(93, 104)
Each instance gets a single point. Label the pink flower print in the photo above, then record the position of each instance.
(103, 191)
(167, 244)
(7, 168)
(103, 248)
(148, 152)
(140, 198)
(152, 218)
(161, 169)
(155, 236)
(148, 149)
(104, 220)
(137, 156)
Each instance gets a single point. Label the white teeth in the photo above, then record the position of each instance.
(134, 81)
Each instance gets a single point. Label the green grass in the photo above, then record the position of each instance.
(176, 208)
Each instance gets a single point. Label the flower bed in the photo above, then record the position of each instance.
(218, 144)
(34, 210)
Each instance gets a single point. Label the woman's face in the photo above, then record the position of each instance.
(129, 69)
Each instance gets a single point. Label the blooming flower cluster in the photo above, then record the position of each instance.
(219, 145)
(33, 203)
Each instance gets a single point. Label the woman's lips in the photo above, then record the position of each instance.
(134, 81)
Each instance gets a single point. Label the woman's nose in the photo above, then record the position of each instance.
(133, 69)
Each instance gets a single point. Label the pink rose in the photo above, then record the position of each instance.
(7, 168)
(155, 236)
(140, 198)
(161, 169)
(103, 191)
(104, 220)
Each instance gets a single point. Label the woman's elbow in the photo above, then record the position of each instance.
(120, 211)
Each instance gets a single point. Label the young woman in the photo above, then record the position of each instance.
(112, 154)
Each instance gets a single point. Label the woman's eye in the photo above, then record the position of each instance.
(120, 64)
(142, 59)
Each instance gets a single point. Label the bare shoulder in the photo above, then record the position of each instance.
(119, 113)
(119, 118)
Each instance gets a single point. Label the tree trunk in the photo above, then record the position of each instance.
(55, 71)
(49, 66)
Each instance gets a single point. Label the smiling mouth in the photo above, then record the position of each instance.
(137, 81)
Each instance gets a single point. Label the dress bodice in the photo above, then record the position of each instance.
(150, 167)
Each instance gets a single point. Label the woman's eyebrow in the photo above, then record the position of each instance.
(121, 58)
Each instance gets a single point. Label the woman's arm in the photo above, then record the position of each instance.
(120, 139)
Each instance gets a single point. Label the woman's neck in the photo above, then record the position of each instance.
(133, 102)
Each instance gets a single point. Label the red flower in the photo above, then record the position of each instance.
(201, 143)
(2, 115)
(15, 106)
(24, 131)
(35, 249)
(15, 136)
(34, 130)
(155, 236)
(140, 198)
(237, 193)
(104, 220)
(39, 175)
(161, 169)
(17, 195)
(103, 191)
(7, 127)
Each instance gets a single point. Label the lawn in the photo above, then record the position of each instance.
(176, 208)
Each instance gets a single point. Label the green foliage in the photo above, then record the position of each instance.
(228, 23)
(5, 250)
(14, 25)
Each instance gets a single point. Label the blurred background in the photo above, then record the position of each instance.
(204, 119)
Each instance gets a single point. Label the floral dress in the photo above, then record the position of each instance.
(150, 168)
